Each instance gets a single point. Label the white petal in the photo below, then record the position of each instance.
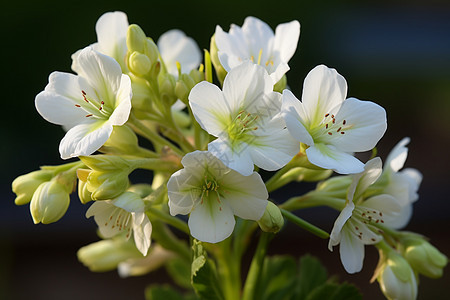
(232, 47)
(102, 72)
(130, 202)
(209, 107)
(293, 113)
(280, 70)
(362, 232)
(58, 109)
(352, 252)
(142, 234)
(82, 141)
(259, 36)
(123, 102)
(175, 46)
(183, 191)
(211, 221)
(361, 181)
(414, 178)
(244, 87)
(247, 195)
(324, 90)
(286, 39)
(111, 31)
(236, 158)
(397, 157)
(328, 157)
(365, 125)
(105, 215)
(336, 232)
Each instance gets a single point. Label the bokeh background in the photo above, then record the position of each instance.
(395, 53)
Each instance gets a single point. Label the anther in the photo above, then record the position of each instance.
(90, 115)
(330, 133)
(342, 132)
(326, 115)
(77, 105)
(339, 129)
(344, 122)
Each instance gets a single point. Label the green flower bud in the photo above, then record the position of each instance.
(122, 140)
(24, 186)
(396, 278)
(181, 118)
(142, 189)
(425, 258)
(151, 50)
(220, 71)
(139, 63)
(136, 38)
(182, 91)
(109, 176)
(105, 255)
(141, 101)
(197, 76)
(167, 88)
(83, 192)
(280, 85)
(49, 202)
(272, 220)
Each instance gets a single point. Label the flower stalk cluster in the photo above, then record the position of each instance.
(208, 143)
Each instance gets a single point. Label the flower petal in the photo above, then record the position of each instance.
(351, 251)
(175, 46)
(123, 102)
(328, 157)
(397, 157)
(82, 140)
(129, 201)
(111, 29)
(182, 187)
(286, 39)
(259, 36)
(361, 181)
(247, 195)
(365, 125)
(142, 233)
(232, 47)
(293, 113)
(236, 158)
(336, 232)
(211, 221)
(324, 90)
(209, 107)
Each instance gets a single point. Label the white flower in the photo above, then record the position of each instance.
(88, 105)
(174, 46)
(402, 185)
(213, 194)
(111, 29)
(246, 119)
(356, 224)
(331, 126)
(256, 42)
(125, 214)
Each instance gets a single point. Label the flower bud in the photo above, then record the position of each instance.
(220, 71)
(105, 255)
(49, 202)
(24, 186)
(182, 91)
(135, 38)
(122, 140)
(272, 219)
(151, 50)
(139, 63)
(83, 192)
(167, 89)
(425, 258)
(280, 85)
(397, 279)
(197, 76)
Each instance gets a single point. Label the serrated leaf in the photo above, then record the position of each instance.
(334, 291)
(180, 271)
(277, 279)
(204, 275)
(311, 275)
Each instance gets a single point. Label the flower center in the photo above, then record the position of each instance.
(268, 62)
(328, 127)
(93, 108)
(210, 186)
(120, 219)
(242, 124)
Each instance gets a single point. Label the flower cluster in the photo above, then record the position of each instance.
(209, 142)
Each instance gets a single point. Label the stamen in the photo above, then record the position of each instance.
(259, 56)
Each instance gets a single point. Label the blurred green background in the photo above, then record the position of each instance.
(395, 53)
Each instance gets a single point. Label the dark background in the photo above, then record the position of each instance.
(395, 53)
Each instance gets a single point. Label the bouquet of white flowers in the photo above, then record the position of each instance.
(208, 139)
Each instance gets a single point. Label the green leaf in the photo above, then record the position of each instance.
(204, 275)
(311, 275)
(180, 271)
(334, 291)
(165, 292)
(277, 279)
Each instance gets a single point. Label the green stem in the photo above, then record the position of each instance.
(229, 270)
(256, 266)
(173, 221)
(272, 184)
(313, 199)
(304, 224)
(168, 240)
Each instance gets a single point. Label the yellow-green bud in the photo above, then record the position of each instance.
(167, 88)
(142, 189)
(135, 38)
(141, 101)
(280, 85)
(197, 76)
(50, 202)
(83, 192)
(109, 176)
(122, 140)
(272, 220)
(425, 258)
(24, 186)
(396, 278)
(105, 255)
(182, 91)
(139, 63)
(151, 50)
(220, 71)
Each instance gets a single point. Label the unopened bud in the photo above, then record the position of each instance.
(50, 202)
(220, 71)
(139, 63)
(135, 38)
(151, 50)
(425, 258)
(272, 219)
(122, 140)
(24, 186)
(280, 85)
(83, 192)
